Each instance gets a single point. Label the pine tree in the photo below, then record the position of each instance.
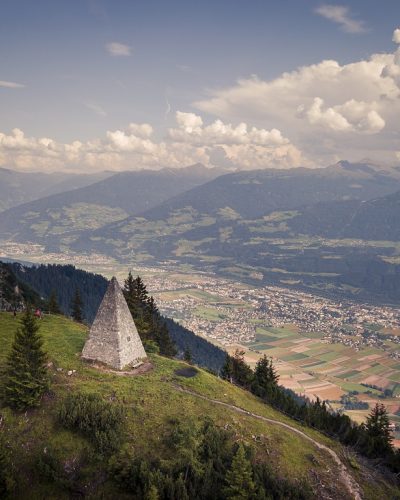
(167, 347)
(76, 307)
(265, 376)
(146, 316)
(227, 369)
(25, 375)
(187, 355)
(236, 370)
(52, 305)
(378, 430)
(239, 478)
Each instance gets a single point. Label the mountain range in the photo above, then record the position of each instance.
(334, 229)
(21, 187)
(58, 218)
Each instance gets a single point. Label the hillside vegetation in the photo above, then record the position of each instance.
(53, 462)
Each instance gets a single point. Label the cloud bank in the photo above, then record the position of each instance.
(134, 147)
(311, 116)
(326, 109)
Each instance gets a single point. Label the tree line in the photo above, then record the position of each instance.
(372, 439)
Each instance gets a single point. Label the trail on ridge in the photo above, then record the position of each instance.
(344, 476)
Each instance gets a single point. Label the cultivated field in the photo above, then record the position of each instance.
(309, 366)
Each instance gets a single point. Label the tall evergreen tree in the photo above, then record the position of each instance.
(265, 376)
(52, 304)
(236, 370)
(378, 431)
(77, 307)
(25, 375)
(239, 478)
(161, 336)
(151, 327)
(187, 355)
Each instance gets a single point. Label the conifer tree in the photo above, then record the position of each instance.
(378, 430)
(25, 375)
(187, 355)
(236, 370)
(53, 306)
(227, 369)
(146, 316)
(239, 478)
(265, 376)
(76, 307)
(167, 347)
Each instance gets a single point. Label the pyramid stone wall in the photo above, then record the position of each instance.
(113, 338)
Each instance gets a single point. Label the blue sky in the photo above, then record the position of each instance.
(82, 71)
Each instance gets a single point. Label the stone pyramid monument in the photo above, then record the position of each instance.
(113, 338)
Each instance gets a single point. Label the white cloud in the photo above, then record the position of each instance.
(189, 142)
(118, 49)
(341, 15)
(244, 146)
(11, 85)
(191, 129)
(326, 109)
(351, 116)
(396, 35)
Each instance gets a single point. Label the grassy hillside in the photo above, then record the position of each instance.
(151, 401)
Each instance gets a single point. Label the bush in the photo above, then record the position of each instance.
(101, 421)
(6, 473)
(50, 467)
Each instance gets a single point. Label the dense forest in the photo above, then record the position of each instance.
(14, 292)
(63, 281)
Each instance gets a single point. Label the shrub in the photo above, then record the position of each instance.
(6, 473)
(101, 421)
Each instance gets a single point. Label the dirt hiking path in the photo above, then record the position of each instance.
(344, 476)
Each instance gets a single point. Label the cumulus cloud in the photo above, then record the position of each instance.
(326, 109)
(191, 129)
(191, 141)
(244, 146)
(11, 85)
(118, 49)
(351, 116)
(341, 15)
(396, 35)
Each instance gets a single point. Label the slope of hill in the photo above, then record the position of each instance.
(376, 219)
(53, 462)
(15, 292)
(57, 220)
(22, 187)
(39, 281)
(256, 193)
